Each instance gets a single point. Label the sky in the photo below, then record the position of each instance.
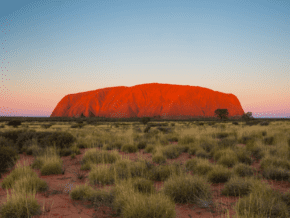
(52, 48)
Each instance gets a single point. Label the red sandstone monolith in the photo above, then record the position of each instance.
(148, 100)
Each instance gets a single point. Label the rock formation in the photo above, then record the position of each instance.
(148, 100)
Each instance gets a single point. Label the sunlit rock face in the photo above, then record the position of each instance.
(148, 100)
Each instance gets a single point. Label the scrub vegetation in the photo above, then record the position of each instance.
(134, 194)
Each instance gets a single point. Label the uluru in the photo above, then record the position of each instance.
(148, 100)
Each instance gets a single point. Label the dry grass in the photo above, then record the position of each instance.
(134, 196)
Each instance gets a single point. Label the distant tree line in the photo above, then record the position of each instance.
(223, 114)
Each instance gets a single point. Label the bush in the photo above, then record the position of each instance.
(24, 137)
(7, 158)
(129, 148)
(61, 139)
(251, 123)
(159, 159)
(14, 123)
(268, 140)
(146, 130)
(9, 144)
(264, 123)
(145, 120)
(142, 145)
(91, 122)
(245, 117)
(78, 125)
(65, 152)
(211, 123)
(41, 138)
(6, 142)
(46, 126)
(164, 130)
(82, 145)
(73, 156)
(221, 135)
(246, 139)
(137, 129)
(173, 139)
(31, 150)
(117, 145)
(12, 135)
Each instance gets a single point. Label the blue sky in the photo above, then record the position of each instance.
(55, 48)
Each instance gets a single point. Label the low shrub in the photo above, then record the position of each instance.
(12, 135)
(24, 137)
(264, 133)
(146, 130)
(61, 139)
(4, 142)
(268, 140)
(149, 149)
(220, 135)
(211, 123)
(145, 120)
(65, 152)
(164, 130)
(46, 126)
(14, 123)
(141, 145)
(129, 148)
(8, 158)
(137, 129)
(117, 145)
(32, 150)
(82, 145)
(246, 139)
(264, 123)
(73, 155)
(252, 123)
(173, 139)
(41, 138)
(78, 125)
(159, 159)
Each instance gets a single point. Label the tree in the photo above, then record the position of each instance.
(248, 116)
(145, 120)
(222, 113)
